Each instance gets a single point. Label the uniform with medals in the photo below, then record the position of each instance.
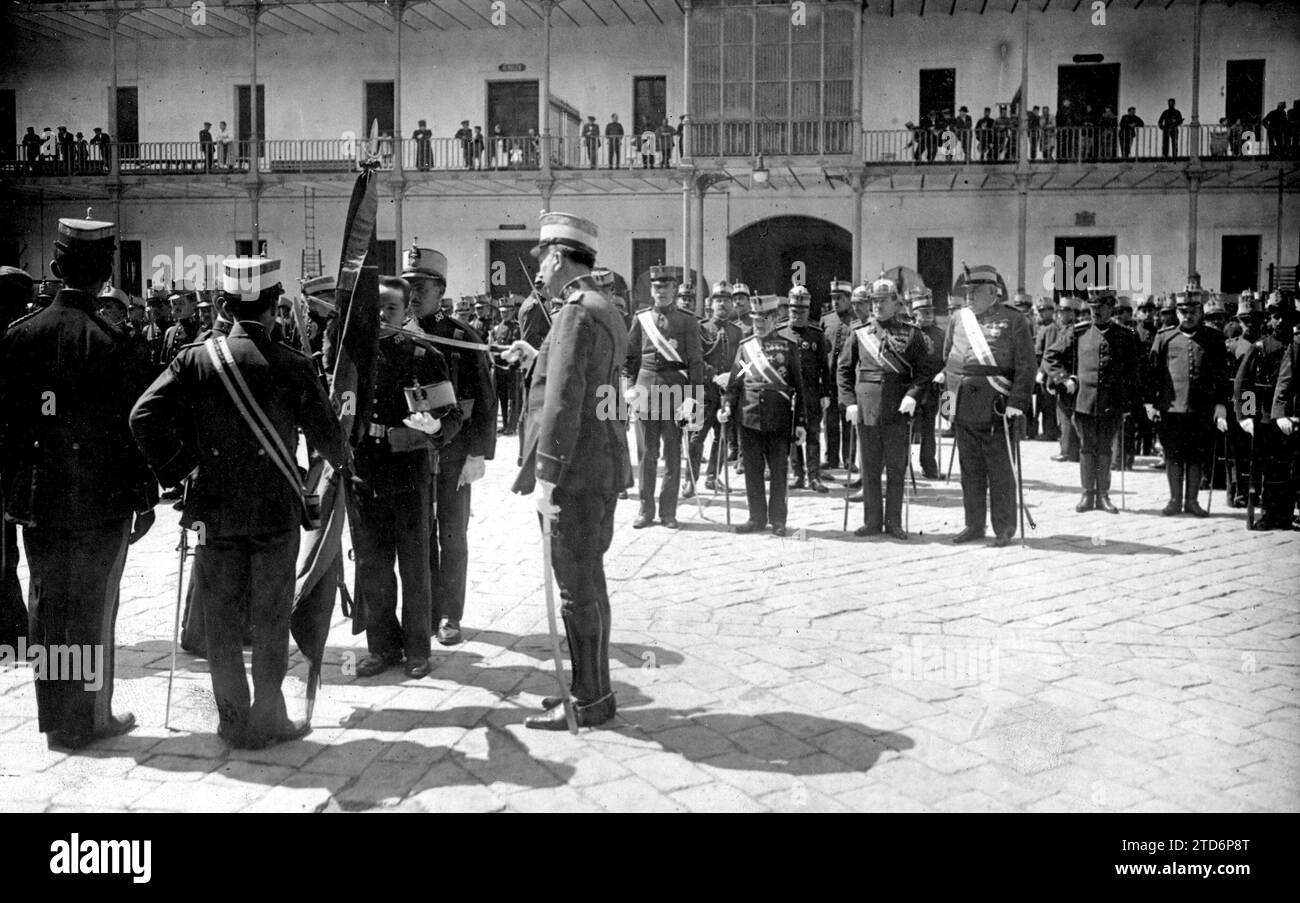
(509, 390)
(720, 342)
(1249, 317)
(989, 371)
(921, 301)
(1186, 395)
(1097, 366)
(577, 453)
(835, 327)
(1252, 400)
(883, 372)
(241, 496)
(765, 396)
(184, 331)
(73, 478)
(664, 358)
(471, 376)
(814, 351)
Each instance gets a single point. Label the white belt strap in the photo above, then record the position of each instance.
(980, 346)
(666, 351)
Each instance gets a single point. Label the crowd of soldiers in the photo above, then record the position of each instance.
(101, 407)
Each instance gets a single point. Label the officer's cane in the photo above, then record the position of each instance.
(569, 716)
(183, 548)
(1250, 487)
(690, 471)
(853, 459)
(1123, 462)
(907, 499)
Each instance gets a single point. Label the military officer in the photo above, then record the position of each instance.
(535, 315)
(1187, 398)
(1250, 320)
(15, 295)
(921, 301)
(74, 478)
(1252, 402)
(719, 342)
(765, 394)
(155, 332)
(686, 299)
(185, 327)
(509, 390)
(665, 360)
(1286, 414)
(1215, 313)
(576, 458)
(1045, 336)
(1096, 366)
(835, 326)
(814, 351)
(1168, 313)
(884, 370)
(989, 359)
(461, 461)
(393, 473)
(483, 319)
(740, 300)
(1067, 320)
(320, 293)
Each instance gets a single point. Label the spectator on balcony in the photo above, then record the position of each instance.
(614, 138)
(222, 139)
(1108, 125)
(646, 145)
(49, 149)
(479, 146)
(962, 123)
(933, 124)
(664, 141)
(465, 136)
(205, 145)
(1067, 125)
(32, 147)
(1168, 124)
(1293, 129)
(1048, 126)
(681, 128)
(1086, 119)
(498, 156)
(99, 148)
(917, 140)
(1275, 124)
(423, 138)
(1006, 133)
(67, 148)
(1221, 137)
(984, 132)
(82, 152)
(945, 125)
(1034, 123)
(1235, 132)
(532, 150)
(591, 140)
(1129, 123)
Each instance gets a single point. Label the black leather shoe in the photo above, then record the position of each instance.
(1000, 540)
(285, 733)
(670, 523)
(1171, 508)
(642, 522)
(798, 483)
(1237, 501)
(449, 633)
(867, 530)
(1086, 503)
(970, 534)
(816, 485)
(686, 492)
(856, 497)
(828, 477)
(740, 468)
(778, 530)
(551, 702)
(896, 532)
(590, 715)
(417, 668)
(930, 474)
(711, 484)
(68, 740)
(375, 663)
(1105, 504)
(1194, 507)
(749, 527)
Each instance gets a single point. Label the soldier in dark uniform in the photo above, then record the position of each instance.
(765, 394)
(814, 351)
(461, 461)
(1045, 336)
(740, 299)
(686, 299)
(921, 301)
(720, 342)
(835, 326)
(989, 357)
(535, 316)
(1286, 415)
(577, 458)
(320, 294)
(155, 332)
(1250, 320)
(74, 479)
(15, 295)
(1252, 403)
(247, 512)
(664, 357)
(884, 370)
(393, 473)
(509, 394)
(1067, 319)
(185, 327)
(1097, 367)
(1187, 397)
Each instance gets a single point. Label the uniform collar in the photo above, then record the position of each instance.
(75, 297)
(251, 329)
(583, 283)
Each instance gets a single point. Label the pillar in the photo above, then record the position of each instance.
(1193, 196)
(254, 155)
(1195, 137)
(114, 148)
(399, 7)
(544, 98)
(856, 112)
(687, 83)
(1022, 225)
(857, 187)
(701, 188)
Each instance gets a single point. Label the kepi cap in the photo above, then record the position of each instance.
(319, 285)
(722, 289)
(568, 231)
(424, 263)
(765, 306)
(799, 297)
(740, 288)
(840, 286)
(248, 277)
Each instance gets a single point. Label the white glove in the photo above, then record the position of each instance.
(425, 423)
(939, 378)
(1038, 377)
(1221, 418)
(1248, 425)
(725, 414)
(1152, 414)
(851, 414)
(632, 395)
(800, 435)
(907, 407)
(722, 380)
(519, 352)
(826, 402)
(1013, 411)
(545, 506)
(473, 470)
(1286, 425)
(687, 410)
(1070, 386)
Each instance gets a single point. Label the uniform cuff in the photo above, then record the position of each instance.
(549, 468)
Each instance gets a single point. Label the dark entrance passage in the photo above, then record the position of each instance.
(770, 255)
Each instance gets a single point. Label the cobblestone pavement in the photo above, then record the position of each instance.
(1116, 663)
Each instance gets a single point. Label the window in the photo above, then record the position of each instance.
(386, 257)
(934, 263)
(511, 266)
(762, 84)
(938, 92)
(378, 107)
(1239, 264)
(649, 102)
(1244, 96)
(244, 120)
(128, 267)
(8, 124)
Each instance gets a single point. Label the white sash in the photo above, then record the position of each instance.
(667, 352)
(752, 351)
(871, 345)
(980, 346)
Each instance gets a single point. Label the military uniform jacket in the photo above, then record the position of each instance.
(505, 333)
(814, 353)
(155, 339)
(1188, 371)
(571, 436)
(973, 382)
(1286, 395)
(765, 405)
(719, 343)
(380, 468)
(178, 336)
(1043, 339)
(1256, 379)
(648, 366)
(186, 419)
(836, 329)
(877, 384)
(471, 375)
(933, 336)
(1105, 363)
(67, 380)
(534, 320)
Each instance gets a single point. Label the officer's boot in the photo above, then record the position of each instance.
(574, 642)
(1103, 485)
(1088, 480)
(1191, 502)
(815, 478)
(797, 468)
(1174, 475)
(591, 706)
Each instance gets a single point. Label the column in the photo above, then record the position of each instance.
(399, 195)
(254, 189)
(857, 186)
(1194, 137)
(1022, 223)
(701, 188)
(686, 231)
(115, 193)
(399, 7)
(254, 155)
(687, 82)
(544, 98)
(1193, 196)
(114, 149)
(856, 112)
(1022, 136)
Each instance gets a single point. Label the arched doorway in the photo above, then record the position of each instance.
(763, 255)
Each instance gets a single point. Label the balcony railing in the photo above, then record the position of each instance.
(820, 137)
